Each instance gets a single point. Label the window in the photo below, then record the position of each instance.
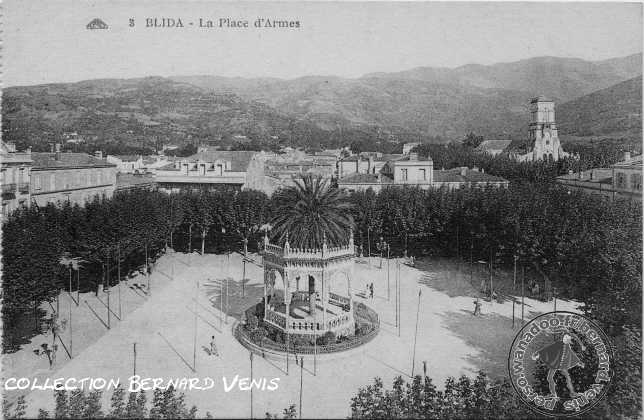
(52, 182)
(423, 174)
(636, 182)
(620, 180)
(37, 182)
(404, 174)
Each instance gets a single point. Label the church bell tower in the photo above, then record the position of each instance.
(543, 130)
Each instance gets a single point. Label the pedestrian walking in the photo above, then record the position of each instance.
(477, 307)
(371, 291)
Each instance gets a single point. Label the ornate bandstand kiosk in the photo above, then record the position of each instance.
(308, 291)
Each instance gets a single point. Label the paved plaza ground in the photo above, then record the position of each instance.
(450, 339)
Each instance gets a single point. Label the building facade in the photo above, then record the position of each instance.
(70, 177)
(128, 164)
(465, 177)
(365, 163)
(410, 170)
(211, 169)
(408, 147)
(627, 177)
(15, 172)
(543, 138)
(416, 172)
(622, 180)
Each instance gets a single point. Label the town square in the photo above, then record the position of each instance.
(293, 210)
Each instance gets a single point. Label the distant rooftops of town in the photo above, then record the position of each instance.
(68, 160)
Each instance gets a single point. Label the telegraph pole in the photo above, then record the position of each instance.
(221, 304)
(194, 339)
(396, 296)
(147, 269)
(388, 288)
(118, 269)
(301, 378)
(71, 335)
(251, 387)
(106, 289)
(398, 286)
(413, 361)
(522, 293)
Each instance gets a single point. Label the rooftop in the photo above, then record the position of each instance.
(597, 175)
(364, 179)
(127, 158)
(471, 175)
(239, 160)
(540, 98)
(415, 159)
(376, 158)
(68, 160)
(489, 145)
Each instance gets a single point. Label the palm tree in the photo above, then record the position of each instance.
(309, 211)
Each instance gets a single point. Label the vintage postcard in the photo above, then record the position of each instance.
(321, 209)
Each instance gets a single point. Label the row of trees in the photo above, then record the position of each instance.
(586, 245)
(68, 247)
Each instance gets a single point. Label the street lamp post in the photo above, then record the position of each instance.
(244, 270)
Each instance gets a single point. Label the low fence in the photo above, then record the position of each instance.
(269, 346)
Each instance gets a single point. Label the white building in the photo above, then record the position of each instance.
(129, 164)
(15, 171)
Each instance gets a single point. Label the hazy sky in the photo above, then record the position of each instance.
(46, 41)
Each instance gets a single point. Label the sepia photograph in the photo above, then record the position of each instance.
(321, 209)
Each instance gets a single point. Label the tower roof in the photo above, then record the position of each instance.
(540, 98)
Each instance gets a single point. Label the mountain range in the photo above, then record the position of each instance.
(593, 98)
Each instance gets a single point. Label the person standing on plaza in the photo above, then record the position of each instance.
(477, 307)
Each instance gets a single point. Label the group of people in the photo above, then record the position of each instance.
(369, 290)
